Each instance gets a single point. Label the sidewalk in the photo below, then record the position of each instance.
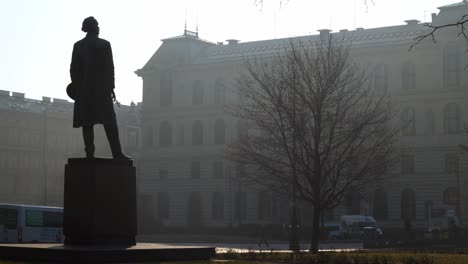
(200, 238)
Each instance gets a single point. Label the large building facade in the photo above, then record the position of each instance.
(37, 138)
(185, 180)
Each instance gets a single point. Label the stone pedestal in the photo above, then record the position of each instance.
(99, 202)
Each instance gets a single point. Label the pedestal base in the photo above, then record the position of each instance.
(99, 202)
(142, 252)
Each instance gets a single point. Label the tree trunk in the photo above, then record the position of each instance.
(315, 230)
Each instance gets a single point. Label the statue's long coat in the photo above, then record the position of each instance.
(92, 73)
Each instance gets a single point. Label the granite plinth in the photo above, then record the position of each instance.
(99, 202)
(141, 252)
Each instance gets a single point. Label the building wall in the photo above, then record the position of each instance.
(37, 138)
(429, 78)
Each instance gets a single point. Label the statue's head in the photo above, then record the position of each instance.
(90, 25)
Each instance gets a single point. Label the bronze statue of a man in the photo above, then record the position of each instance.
(92, 75)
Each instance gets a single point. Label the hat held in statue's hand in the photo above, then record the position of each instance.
(71, 91)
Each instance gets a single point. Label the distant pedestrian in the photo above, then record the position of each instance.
(263, 239)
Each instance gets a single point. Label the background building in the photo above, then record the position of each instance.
(37, 138)
(184, 180)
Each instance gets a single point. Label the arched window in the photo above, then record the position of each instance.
(197, 93)
(380, 78)
(264, 205)
(197, 133)
(219, 132)
(219, 92)
(165, 96)
(240, 206)
(452, 118)
(408, 75)
(428, 209)
(163, 205)
(408, 204)
(217, 210)
(429, 125)
(194, 210)
(148, 137)
(451, 65)
(380, 204)
(165, 134)
(408, 122)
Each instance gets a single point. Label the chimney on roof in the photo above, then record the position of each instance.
(324, 34)
(18, 95)
(359, 28)
(219, 43)
(411, 22)
(4, 93)
(45, 99)
(433, 16)
(232, 41)
(343, 30)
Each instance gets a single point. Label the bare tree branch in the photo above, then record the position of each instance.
(433, 29)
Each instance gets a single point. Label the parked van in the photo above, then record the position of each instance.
(352, 226)
(30, 223)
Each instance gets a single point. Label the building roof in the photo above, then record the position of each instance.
(19, 103)
(459, 4)
(359, 37)
(235, 50)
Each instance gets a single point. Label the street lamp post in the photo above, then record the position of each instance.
(293, 239)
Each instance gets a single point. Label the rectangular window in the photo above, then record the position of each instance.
(407, 164)
(132, 140)
(218, 169)
(38, 218)
(163, 173)
(451, 163)
(163, 205)
(451, 65)
(165, 98)
(195, 170)
(218, 206)
(180, 135)
(9, 217)
(240, 208)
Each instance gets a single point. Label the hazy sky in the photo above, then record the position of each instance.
(38, 35)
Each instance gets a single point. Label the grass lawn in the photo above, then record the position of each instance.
(325, 258)
(347, 258)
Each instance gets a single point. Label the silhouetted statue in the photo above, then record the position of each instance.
(92, 75)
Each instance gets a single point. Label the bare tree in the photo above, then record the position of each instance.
(314, 124)
(432, 29)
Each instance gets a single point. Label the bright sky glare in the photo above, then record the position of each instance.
(38, 35)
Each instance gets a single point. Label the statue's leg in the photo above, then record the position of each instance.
(112, 133)
(88, 137)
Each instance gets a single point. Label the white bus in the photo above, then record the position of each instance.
(30, 223)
